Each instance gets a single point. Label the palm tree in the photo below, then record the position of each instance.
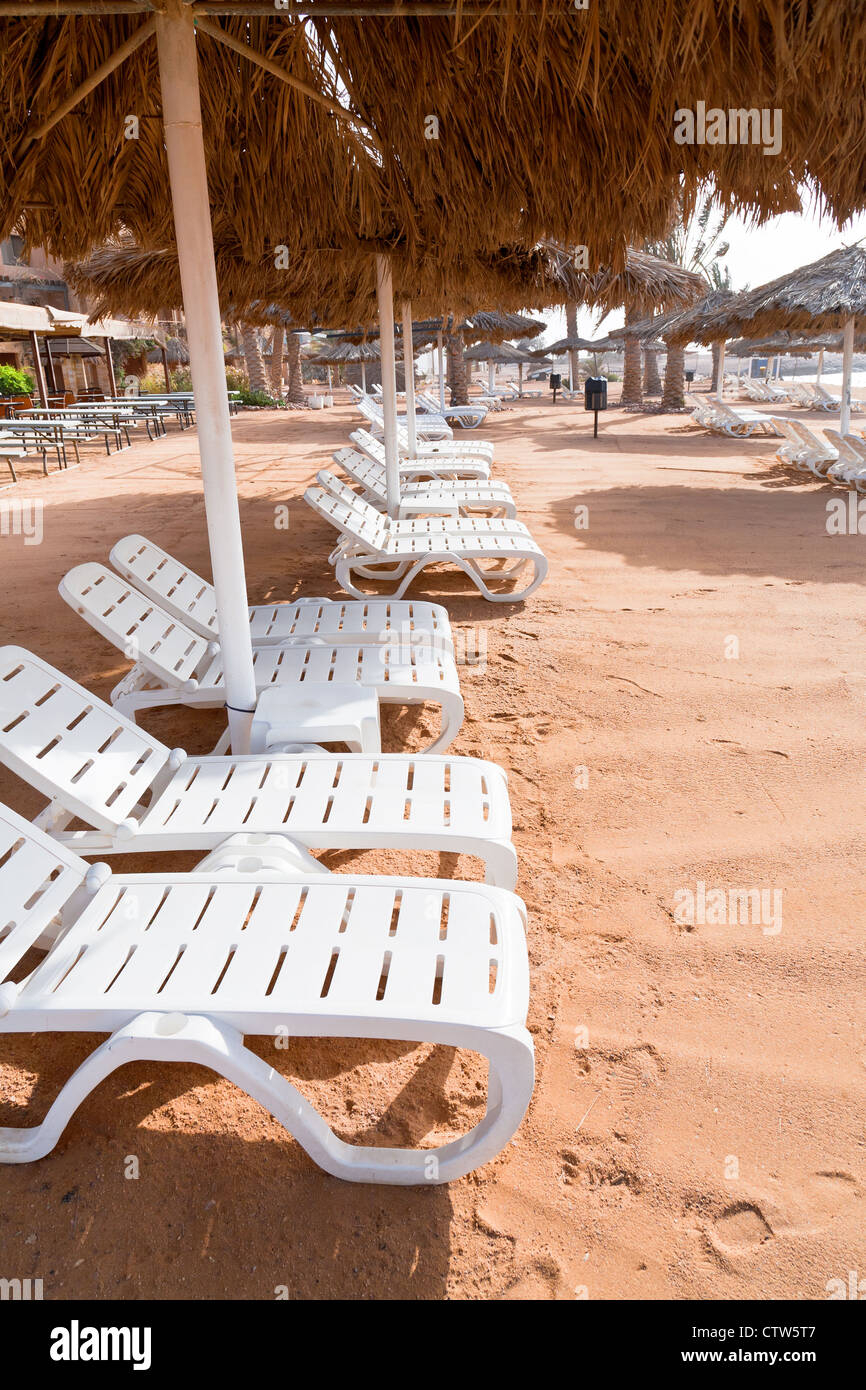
(255, 365)
(694, 243)
(295, 394)
(277, 360)
(458, 373)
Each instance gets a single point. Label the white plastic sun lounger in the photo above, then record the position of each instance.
(825, 400)
(452, 449)
(803, 448)
(511, 392)
(448, 498)
(428, 427)
(723, 419)
(175, 666)
(850, 467)
(373, 546)
(446, 466)
(179, 967)
(187, 596)
(133, 794)
(467, 416)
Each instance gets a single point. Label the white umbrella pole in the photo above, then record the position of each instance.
(847, 367)
(385, 295)
(571, 371)
(181, 107)
(364, 376)
(820, 367)
(441, 373)
(721, 383)
(409, 374)
(491, 375)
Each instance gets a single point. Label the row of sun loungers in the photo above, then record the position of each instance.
(720, 418)
(450, 512)
(260, 937)
(809, 394)
(837, 458)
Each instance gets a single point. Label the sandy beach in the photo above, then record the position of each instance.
(680, 704)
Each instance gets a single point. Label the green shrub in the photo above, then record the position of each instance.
(181, 379)
(248, 397)
(15, 382)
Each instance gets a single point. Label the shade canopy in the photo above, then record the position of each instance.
(678, 325)
(789, 345)
(176, 351)
(338, 351)
(822, 296)
(497, 352)
(68, 347)
(566, 345)
(361, 118)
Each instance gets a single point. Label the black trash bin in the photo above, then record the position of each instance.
(595, 397)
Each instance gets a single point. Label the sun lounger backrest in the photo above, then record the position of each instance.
(136, 625)
(367, 514)
(71, 746)
(345, 517)
(161, 577)
(37, 879)
(370, 410)
(365, 471)
(369, 444)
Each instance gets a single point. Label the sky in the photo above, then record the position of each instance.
(757, 254)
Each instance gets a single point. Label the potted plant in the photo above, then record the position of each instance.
(16, 387)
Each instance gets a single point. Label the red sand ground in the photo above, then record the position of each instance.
(697, 1128)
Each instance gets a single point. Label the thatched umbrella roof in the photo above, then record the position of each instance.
(489, 324)
(328, 113)
(497, 352)
(315, 291)
(816, 297)
(566, 345)
(679, 325)
(787, 345)
(644, 279)
(347, 352)
(176, 352)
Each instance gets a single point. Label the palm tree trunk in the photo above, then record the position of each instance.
(255, 365)
(571, 331)
(673, 396)
(459, 371)
(652, 385)
(295, 394)
(631, 383)
(277, 360)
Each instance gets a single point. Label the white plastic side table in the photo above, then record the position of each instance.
(318, 713)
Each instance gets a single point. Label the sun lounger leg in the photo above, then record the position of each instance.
(199, 1040)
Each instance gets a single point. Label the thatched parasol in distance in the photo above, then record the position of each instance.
(344, 351)
(678, 328)
(645, 283)
(828, 294)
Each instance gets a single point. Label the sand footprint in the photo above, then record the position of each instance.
(741, 1229)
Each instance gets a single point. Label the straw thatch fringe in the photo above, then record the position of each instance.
(552, 121)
